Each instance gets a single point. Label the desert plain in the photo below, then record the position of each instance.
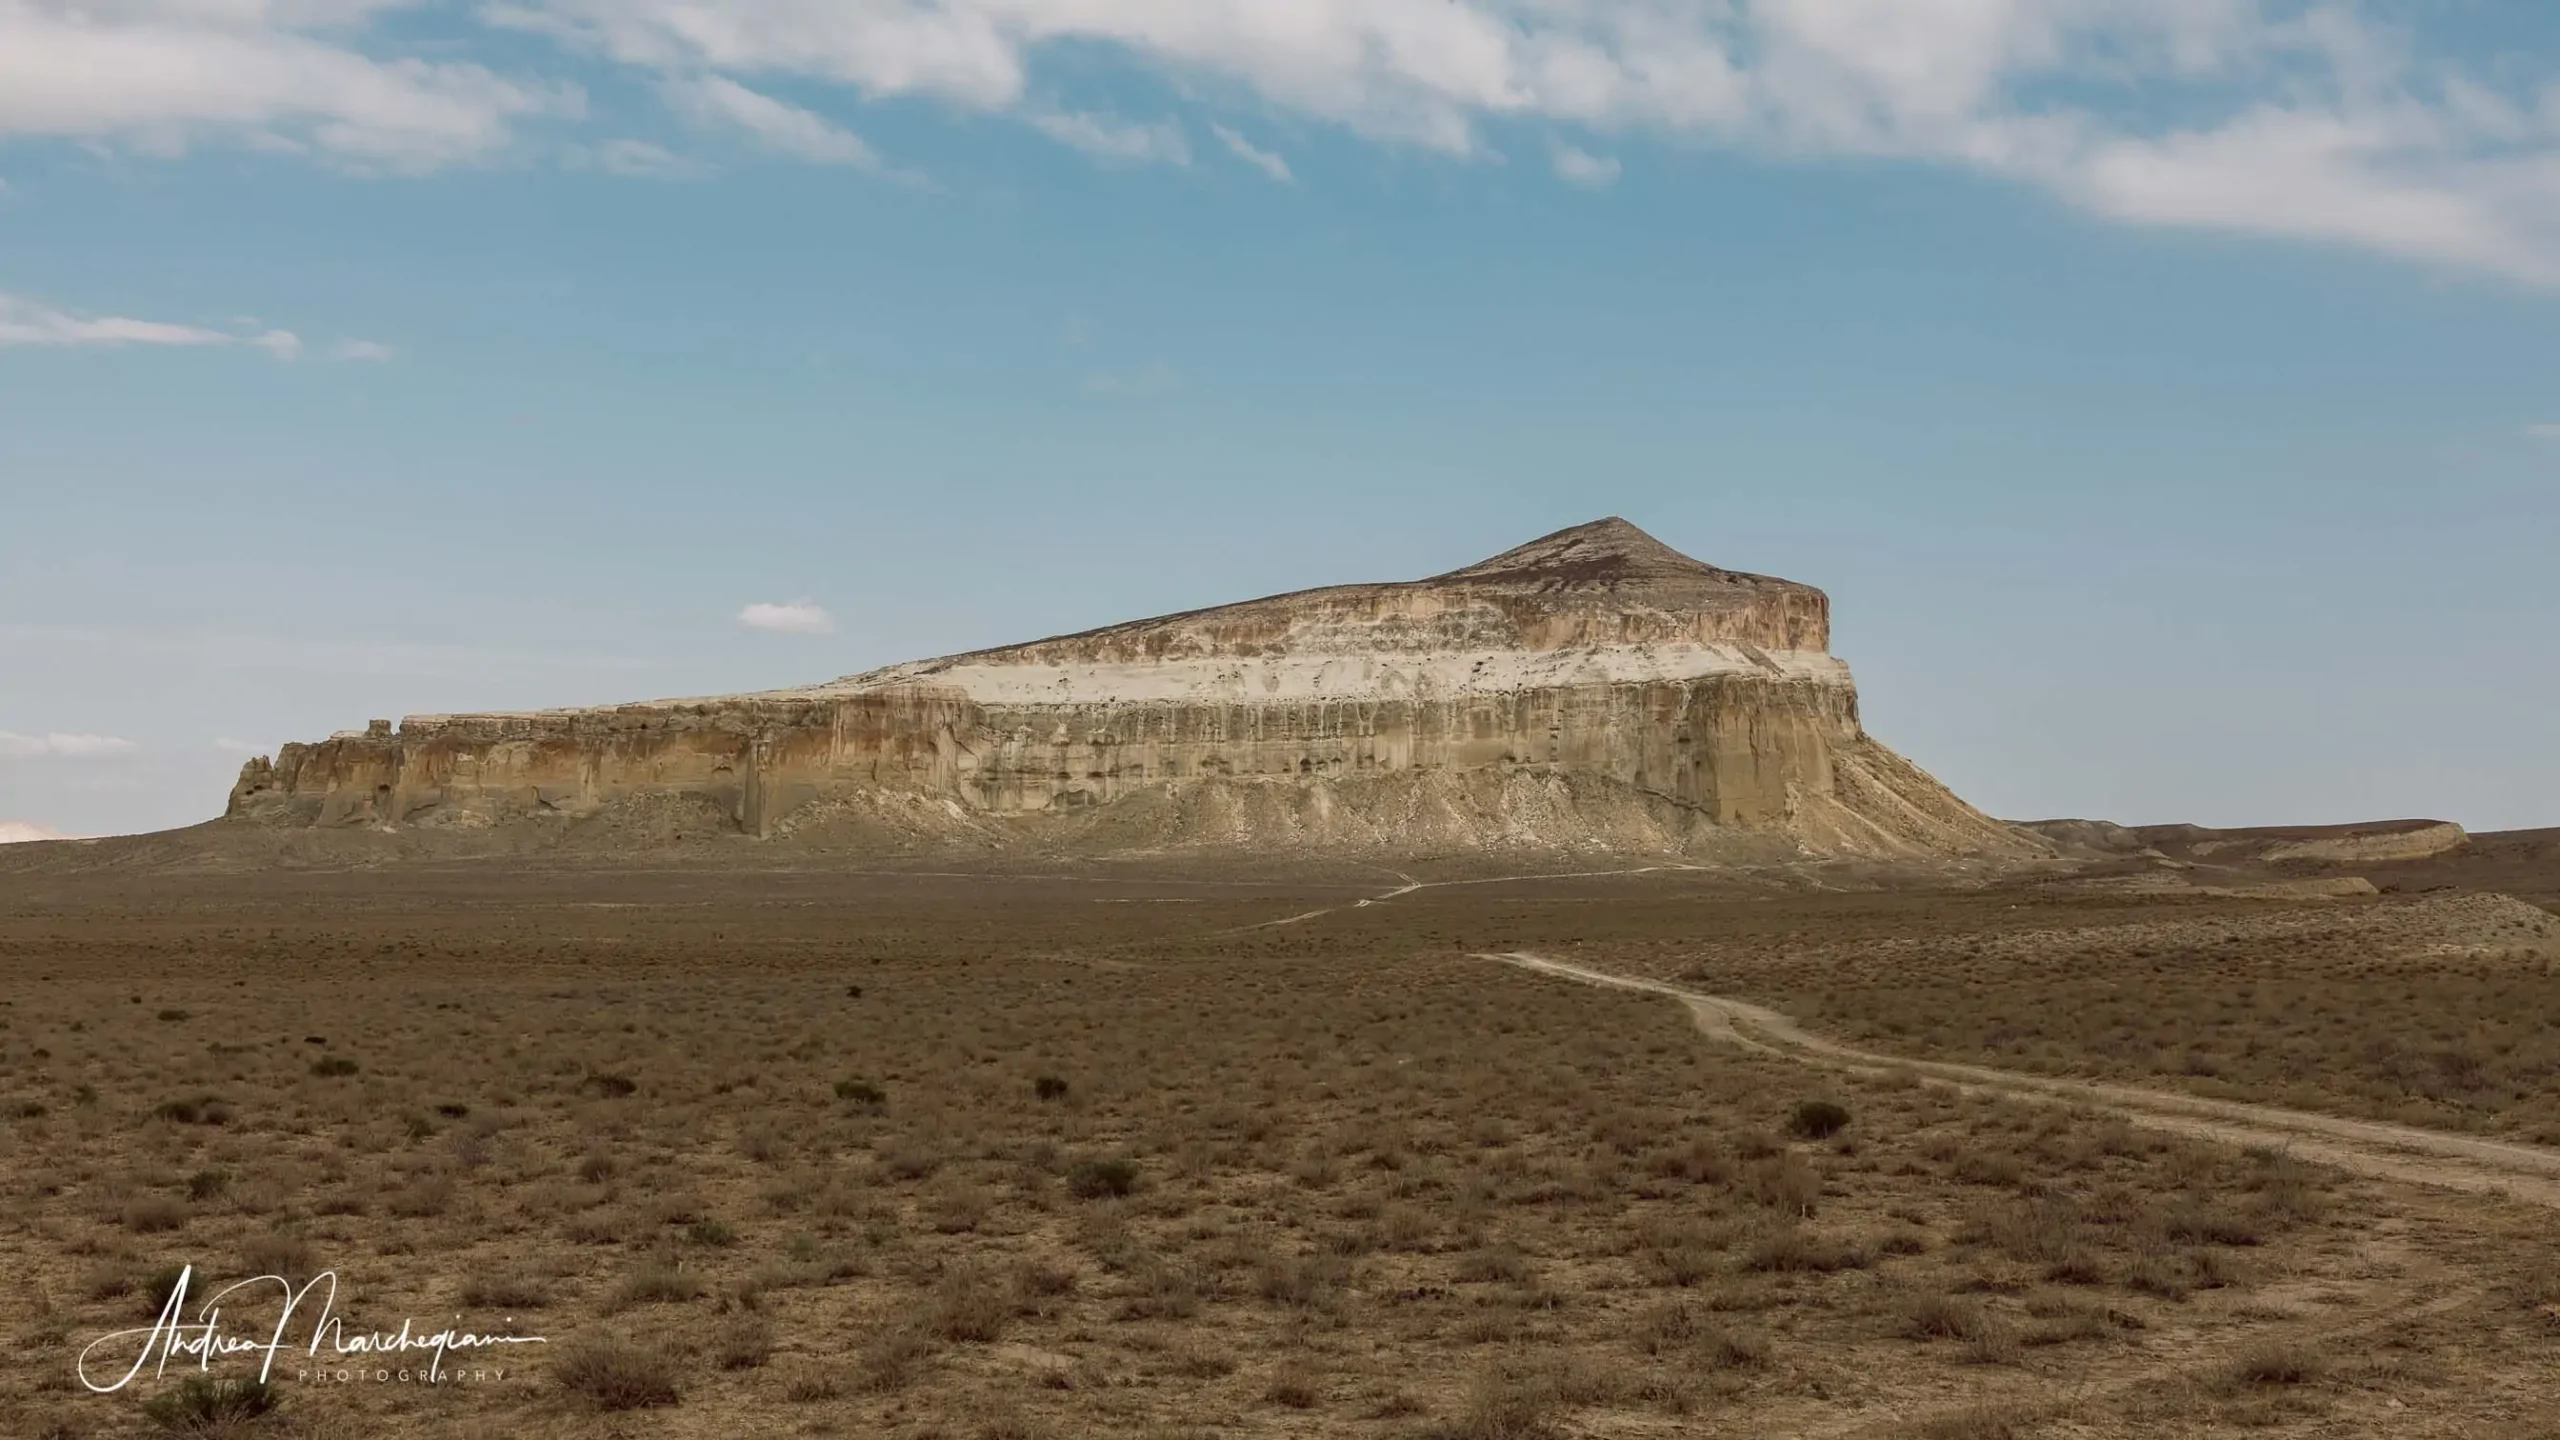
(1170, 1149)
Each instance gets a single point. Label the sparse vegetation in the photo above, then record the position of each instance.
(504, 1292)
(616, 1375)
(1098, 1179)
(656, 1282)
(1819, 1119)
(272, 1252)
(204, 1405)
(194, 1110)
(159, 1286)
(743, 1342)
(1336, 1178)
(2277, 1363)
(153, 1214)
(2249, 1002)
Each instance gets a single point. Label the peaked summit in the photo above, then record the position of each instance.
(1603, 554)
(1591, 689)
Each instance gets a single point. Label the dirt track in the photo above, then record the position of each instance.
(2362, 1147)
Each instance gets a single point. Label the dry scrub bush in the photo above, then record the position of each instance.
(742, 1342)
(610, 1374)
(2275, 1363)
(208, 1405)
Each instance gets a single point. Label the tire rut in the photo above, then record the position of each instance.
(2370, 1148)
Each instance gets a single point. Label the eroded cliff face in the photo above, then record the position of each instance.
(1594, 670)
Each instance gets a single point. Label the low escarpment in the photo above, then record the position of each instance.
(1593, 689)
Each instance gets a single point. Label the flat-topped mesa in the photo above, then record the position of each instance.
(1594, 687)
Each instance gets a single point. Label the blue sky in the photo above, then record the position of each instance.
(2164, 391)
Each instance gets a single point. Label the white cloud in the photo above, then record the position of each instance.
(952, 51)
(639, 160)
(160, 75)
(23, 832)
(24, 322)
(1117, 140)
(2307, 119)
(714, 100)
(2543, 432)
(58, 746)
(2344, 122)
(1581, 167)
(364, 350)
(1261, 159)
(799, 617)
(229, 746)
(27, 322)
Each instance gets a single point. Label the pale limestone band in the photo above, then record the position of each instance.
(1288, 679)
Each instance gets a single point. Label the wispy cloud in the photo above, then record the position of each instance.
(1118, 141)
(797, 617)
(1261, 159)
(369, 351)
(163, 75)
(32, 323)
(2543, 432)
(59, 746)
(2351, 122)
(229, 746)
(1580, 167)
(2371, 124)
(806, 135)
(639, 160)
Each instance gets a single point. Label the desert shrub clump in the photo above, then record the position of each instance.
(1102, 1179)
(202, 1405)
(616, 1375)
(1819, 1119)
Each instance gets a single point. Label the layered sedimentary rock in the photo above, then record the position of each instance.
(2370, 843)
(1592, 687)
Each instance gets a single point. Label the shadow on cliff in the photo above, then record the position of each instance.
(1486, 818)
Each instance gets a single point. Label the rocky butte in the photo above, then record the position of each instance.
(1592, 689)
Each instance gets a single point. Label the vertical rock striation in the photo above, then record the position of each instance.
(1592, 688)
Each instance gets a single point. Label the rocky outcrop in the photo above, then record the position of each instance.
(2410, 840)
(1591, 688)
(2373, 842)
